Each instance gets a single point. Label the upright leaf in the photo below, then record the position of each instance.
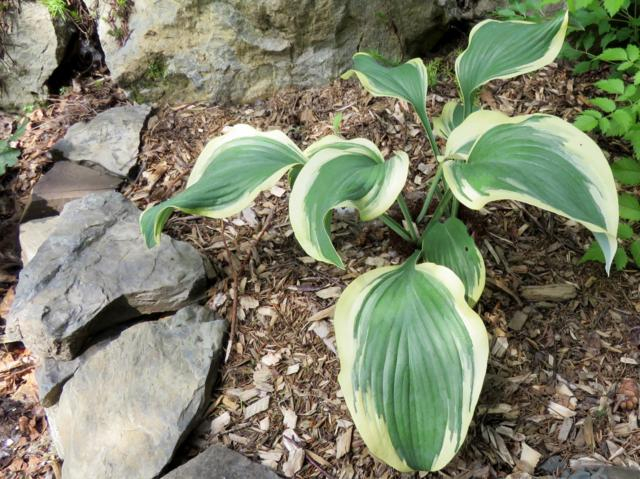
(449, 244)
(537, 159)
(500, 50)
(413, 357)
(407, 82)
(227, 176)
(342, 173)
(452, 115)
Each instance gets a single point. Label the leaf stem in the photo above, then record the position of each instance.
(424, 119)
(454, 207)
(430, 193)
(407, 217)
(393, 225)
(440, 209)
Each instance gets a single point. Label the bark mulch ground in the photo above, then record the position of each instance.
(562, 376)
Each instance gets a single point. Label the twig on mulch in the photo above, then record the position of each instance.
(235, 275)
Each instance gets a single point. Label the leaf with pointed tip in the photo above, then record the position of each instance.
(449, 244)
(505, 49)
(413, 356)
(342, 173)
(537, 159)
(406, 82)
(227, 176)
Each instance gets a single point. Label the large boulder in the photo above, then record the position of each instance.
(34, 49)
(237, 51)
(131, 403)
(95, 272)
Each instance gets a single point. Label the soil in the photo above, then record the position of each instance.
(554, 384)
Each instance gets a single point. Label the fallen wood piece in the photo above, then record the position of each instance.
(549, 292)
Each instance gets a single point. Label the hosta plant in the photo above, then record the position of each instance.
(412, 351)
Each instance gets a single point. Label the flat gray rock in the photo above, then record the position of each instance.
(65, 182)
(130, 405)
(218, 462)
(95, 272)
(110, 140)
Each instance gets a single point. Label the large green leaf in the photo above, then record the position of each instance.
(227, 176)
(537, 159)
(505, 49)
(449, 244)
(342, 173)
(413, 357)
(407, 81)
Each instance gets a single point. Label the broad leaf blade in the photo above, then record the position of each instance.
(342, 173)
(413, 357)
(505, 49)
(227, 176)
(449, 244)
(407, 82)
(540, 160)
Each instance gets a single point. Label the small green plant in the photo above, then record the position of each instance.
(413, 353)
(57, 8)
(157, 68)
(8, 154)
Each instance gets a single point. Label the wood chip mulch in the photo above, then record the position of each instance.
(562, 384)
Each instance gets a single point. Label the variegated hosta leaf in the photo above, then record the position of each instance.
(407, 81)
(505, 49)
(342, 173)
(227, 176)
(452, 116)
(449, 244)
(413, 356)
(537, 159)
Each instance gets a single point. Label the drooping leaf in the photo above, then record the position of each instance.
(505, 49)
(537, 159)
(449, 244)
(407, 82)
(452, 115)
(342, 173)
(629, 207)
(413, 357)
(227, 176)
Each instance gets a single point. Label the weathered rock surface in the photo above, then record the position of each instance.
(51, 375)
(94, 272)
(234, 50)
(33, 53)
(33, 234)
(65, 182)
(110, 140)
(219, 462)
(130, 404)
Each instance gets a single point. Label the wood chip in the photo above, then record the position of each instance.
(290, 418)
(560, 411)
(549, 292)
(343, 443)
(257, 407)
(329, 293)
(529, 458)
(220, 423)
